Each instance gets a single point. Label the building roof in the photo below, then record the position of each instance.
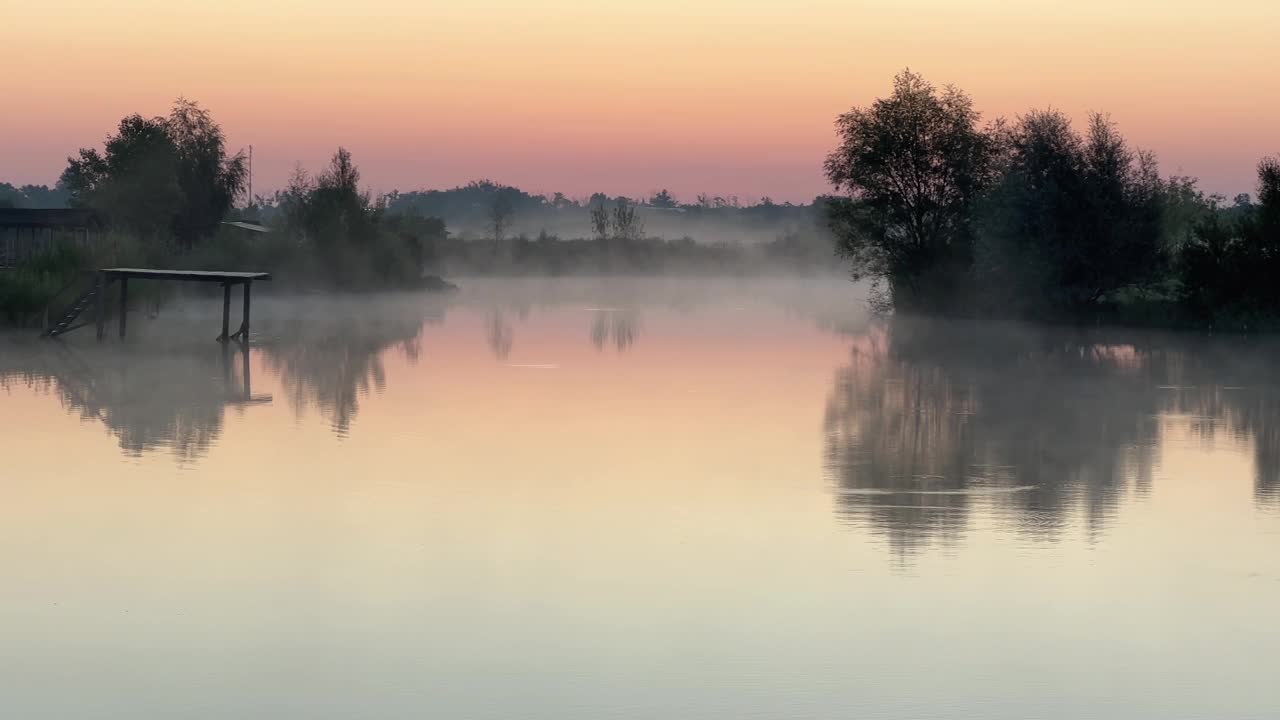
(248, 226)
(49, 218)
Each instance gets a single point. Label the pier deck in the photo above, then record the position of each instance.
(246, 279)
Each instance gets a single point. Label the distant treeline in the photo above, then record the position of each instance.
(1035, 219)
(472, 210)
(489, 228)
(547, 254)
(33, 196)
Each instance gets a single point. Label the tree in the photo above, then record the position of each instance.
(1183, 204)
(500, 215)
(160, 176)
(626, 223)
(208, 178)
(350, 235)
(912, 166)
(663, 199)
(334, 213)
(599, 219)
(1228, 268)
(1072, 220)
(1269, 200)
(420, 237)
(133, 181)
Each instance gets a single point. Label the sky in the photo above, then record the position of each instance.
(728, 98)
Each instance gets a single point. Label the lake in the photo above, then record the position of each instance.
(585, 499)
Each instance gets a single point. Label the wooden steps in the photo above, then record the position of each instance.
(78, 306)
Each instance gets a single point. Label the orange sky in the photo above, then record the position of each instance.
(624, 97)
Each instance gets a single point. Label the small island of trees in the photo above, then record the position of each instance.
(1034, 219)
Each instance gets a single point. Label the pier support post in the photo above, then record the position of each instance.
(245, 372)
(226, 312)
(124, 303)
(100, 305)
(225, 354)
(243, 333)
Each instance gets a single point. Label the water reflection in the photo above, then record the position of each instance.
(154, 392)
(148, 401)
(1045, 427)
(329, 357)
(499, 334)
(616, 326)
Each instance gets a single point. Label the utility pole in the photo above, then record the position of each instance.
(250, 175)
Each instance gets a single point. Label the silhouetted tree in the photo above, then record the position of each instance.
(421, 236)
(599, 219)
(1228, 269)
(208, 179)
(350, 234)
(500, 215)
(912, 165)
(1183, 204)
(1072, 218)
(1269, 201)
(625, 222)
(133, 181)
(333, 212)
(160, 175)
(663, 199)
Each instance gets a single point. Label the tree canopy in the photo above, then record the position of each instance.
(1036, 219)
(1071, 219)
(163, 175)
(912, 166)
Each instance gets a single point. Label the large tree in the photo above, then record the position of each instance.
(160, 176)
(133, 181)
(911, 167)
(208, 178)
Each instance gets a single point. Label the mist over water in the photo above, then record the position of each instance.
(630, 498)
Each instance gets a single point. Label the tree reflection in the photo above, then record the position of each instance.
(616, 326)
(330, 357)
(1045, 427)
(147, 400)
(499, 334)
(152, 394)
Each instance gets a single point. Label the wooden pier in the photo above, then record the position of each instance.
(244, 279)
(97, 295)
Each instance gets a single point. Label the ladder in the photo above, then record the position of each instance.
(78, 306)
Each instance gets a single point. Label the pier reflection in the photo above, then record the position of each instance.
(175, 400)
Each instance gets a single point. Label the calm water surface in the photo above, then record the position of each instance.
(636, 499)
